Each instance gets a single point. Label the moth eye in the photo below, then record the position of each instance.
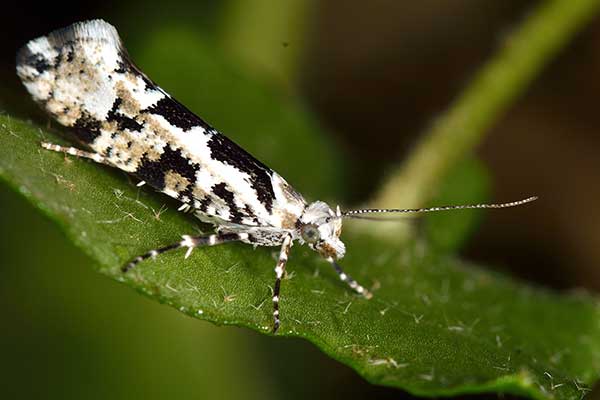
(310, 233)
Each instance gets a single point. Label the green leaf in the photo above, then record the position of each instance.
(436, 325)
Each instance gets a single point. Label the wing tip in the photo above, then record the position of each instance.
(45, 46)
(90, 29)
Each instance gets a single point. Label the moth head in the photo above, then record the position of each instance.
(320, 227)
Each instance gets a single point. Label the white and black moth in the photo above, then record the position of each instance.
(83, 77)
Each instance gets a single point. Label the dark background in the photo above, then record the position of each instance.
(376, 72)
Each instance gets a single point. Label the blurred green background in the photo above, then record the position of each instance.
(383, 69)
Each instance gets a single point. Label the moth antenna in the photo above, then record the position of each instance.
(357, 213)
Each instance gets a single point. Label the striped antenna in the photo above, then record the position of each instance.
(357, 213)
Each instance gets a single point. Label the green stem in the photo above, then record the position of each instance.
(498, 84)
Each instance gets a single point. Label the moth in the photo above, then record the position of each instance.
(84, 78)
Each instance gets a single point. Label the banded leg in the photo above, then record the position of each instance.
(191, 242)
(279, 271)
(348, 279)
(76, 152)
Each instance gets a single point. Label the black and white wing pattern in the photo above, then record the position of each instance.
(83, 77)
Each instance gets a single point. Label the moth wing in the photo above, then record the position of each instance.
(84, 78)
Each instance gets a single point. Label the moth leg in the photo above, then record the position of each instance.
(279, 271)
(76, 152)
(348, 279)
(191, 242)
